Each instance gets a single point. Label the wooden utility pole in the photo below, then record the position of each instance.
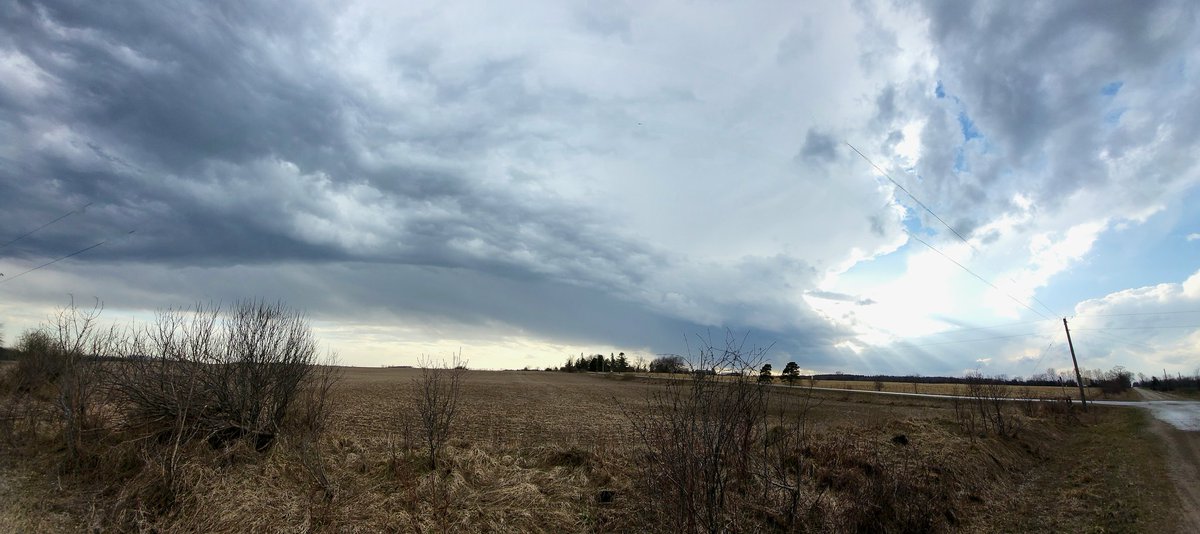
(1078, 377)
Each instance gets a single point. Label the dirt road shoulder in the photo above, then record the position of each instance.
(1183, 467)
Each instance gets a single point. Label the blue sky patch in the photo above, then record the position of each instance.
(939, 91)
(960, 160)
(1114, 116)
(1139, 255)
(1111, 88)
(969, 131)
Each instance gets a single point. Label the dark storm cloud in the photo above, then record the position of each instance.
(153, 94)
(180, 83)
(203, 99)
(249, 163)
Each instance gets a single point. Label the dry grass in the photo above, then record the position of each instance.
(1107, 477)
(532, 452)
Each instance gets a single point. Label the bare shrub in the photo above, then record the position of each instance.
(783, 469)
(21, 419)
(697, 433)
(436, 394)
(987, 409)
(311, 422)
(59, 363)
(222, 374)
(37, 363)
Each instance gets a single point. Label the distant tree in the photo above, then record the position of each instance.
(1115, 381)
(622, 364)
(764, 374)
(668, 364)
(790, 373)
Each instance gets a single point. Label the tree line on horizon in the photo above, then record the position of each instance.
(1114, 380)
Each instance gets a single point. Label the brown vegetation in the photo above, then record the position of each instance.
(573, 452)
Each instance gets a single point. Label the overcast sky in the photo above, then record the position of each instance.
(529, 181)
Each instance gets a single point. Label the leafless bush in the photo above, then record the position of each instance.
(783, 468)
(436, 394)
(987, 408)
(223, 374)
(312, 420)
(21, 419)
(37, 363)
(698, 433)
(60, 363)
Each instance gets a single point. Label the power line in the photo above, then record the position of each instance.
(935, 216)
(1042, 357)
(1136, 313)
(52, 262)
(1137, 327)
(982, 279)
(1112, 337)
(910, 195)
(60, 217)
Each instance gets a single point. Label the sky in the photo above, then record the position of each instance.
(525, 182)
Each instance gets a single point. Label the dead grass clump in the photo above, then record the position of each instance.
(568, 457)
(1058, 410)
(23, 418)
(864, 482)
(153, 482)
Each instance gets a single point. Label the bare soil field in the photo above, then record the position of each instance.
(556, 452)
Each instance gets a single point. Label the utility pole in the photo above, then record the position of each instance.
(1078, 377)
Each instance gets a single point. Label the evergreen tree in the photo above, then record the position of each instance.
(790, 373)
(764, 374)
(622, 365)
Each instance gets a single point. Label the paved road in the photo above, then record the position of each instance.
(1181, 414)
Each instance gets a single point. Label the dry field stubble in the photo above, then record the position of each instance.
(535, 451)
(540, 447)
